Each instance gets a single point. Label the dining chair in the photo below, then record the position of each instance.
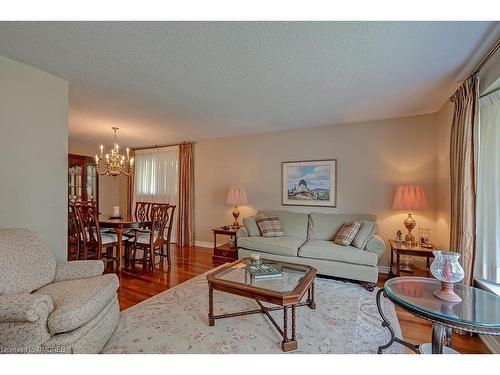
(168, 229)
(96, 244)
(148, 240)
(142, 211)
(74, 236)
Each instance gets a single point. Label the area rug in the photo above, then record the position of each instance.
(345, 320)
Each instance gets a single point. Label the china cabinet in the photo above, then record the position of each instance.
(83, 180)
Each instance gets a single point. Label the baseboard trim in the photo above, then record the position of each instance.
(492, 343)
(383, 270)
(205, 244)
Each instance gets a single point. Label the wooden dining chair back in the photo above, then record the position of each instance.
(74, 233)
(141, 212)
(164, 251)
(153, 238)
(96, 244)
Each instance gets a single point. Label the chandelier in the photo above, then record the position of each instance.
(114, 164)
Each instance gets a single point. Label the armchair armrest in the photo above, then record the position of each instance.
(25, 307)
(78, 269)
(375, 245)
(242, 232)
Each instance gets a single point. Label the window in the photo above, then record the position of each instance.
(487, 264)
(156, 177)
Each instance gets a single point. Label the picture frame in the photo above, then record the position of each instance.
(309, 183)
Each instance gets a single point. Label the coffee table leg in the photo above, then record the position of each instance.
(211, 320)
(310, 297)
(387, 324)
(288, 344)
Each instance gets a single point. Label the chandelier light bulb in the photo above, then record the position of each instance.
(114, 163)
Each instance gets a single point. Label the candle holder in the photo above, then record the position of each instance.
(448, 270)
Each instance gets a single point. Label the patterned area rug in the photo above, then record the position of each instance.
(345, 320)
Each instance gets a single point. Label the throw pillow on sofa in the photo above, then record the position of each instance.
(269, 225)
(366, 231)
(346, 234)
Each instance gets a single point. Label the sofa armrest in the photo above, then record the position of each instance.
(242, 232)
(78, 269)
(375, 245)
(25, 307)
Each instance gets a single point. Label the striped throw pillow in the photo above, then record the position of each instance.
(346, 234)
(269, 225)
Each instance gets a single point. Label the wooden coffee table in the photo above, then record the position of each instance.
(286, 292)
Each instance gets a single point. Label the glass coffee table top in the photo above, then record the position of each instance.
(293, 274)
(478, 307)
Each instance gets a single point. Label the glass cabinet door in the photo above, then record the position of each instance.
(91, 182)
(75, 182)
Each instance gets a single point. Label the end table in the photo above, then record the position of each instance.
(400, 248)
(225, 253)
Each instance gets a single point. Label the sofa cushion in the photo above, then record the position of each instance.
(294, 223)
(269, 225)
(365, 232)
(251, 225)
(325, 226)
(328, 250)
(347, 233)
(26, 262)
(285, 245)
(76, 302)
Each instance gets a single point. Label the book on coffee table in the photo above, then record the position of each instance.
(264, 271)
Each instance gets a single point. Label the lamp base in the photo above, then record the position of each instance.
(236, 214)
(446, 293)
(410, 223)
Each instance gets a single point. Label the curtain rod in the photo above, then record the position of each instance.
(163, 145)
(487, 57)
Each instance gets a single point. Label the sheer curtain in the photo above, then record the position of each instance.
(157, 178)
(488, 190)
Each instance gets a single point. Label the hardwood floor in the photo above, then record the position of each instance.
(187, 262)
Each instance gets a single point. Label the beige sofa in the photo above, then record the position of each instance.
(308, 240)
(52, 307)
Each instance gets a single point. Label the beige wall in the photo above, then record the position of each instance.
(373, 158)
(33, 149)
(112, 190)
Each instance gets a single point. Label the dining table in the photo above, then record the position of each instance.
(125, 221)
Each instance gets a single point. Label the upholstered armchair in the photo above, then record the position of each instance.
(53, 307)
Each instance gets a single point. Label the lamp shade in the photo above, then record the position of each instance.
(409, 197)
(236, 195)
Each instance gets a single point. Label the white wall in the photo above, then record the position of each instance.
(33, 152)
(113, 191)
(373, 158)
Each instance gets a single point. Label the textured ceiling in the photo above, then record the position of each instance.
(164, 82)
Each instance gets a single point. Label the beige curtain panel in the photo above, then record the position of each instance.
(185, 235)
(462, 173)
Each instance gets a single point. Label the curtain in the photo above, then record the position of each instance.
(130, 188)
(185, 236)
(462, 174)
(157, 177)
(487, 265)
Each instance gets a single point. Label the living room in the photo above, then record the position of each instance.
(201, 187)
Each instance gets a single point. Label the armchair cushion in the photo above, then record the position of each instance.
(78, 269)
(78, 301)
(24, 307)
(26, 263)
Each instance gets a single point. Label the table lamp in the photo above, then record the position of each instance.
(409, 197)
(236, 195)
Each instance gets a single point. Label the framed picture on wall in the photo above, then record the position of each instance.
(309, 183)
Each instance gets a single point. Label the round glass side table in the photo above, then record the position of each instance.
(479, 311)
